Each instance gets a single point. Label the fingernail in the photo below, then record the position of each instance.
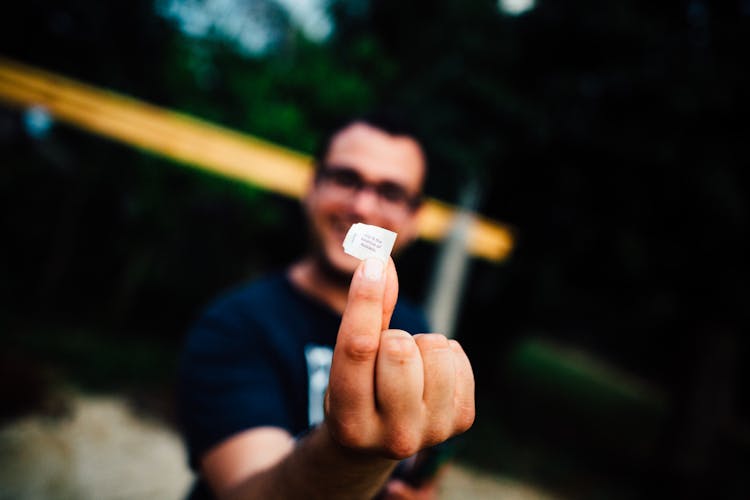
(373, 269)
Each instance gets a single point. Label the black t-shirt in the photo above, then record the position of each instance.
(259, 355)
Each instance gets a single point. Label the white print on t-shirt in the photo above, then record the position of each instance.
(318, 359)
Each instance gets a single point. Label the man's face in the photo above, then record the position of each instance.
(368, 176)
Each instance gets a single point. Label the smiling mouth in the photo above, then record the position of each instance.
(341, 227)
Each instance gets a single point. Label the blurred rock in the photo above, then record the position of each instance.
(101, 451)
(104, 449)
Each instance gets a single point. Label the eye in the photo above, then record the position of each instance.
(392, 192)
(344, 178)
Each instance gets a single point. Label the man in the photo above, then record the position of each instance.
(309, 383)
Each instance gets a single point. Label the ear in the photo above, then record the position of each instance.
(309, 191)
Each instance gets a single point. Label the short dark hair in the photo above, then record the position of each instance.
(392, 121)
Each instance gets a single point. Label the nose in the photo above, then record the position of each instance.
(365, 201)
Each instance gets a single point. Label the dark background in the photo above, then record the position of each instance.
(609, 347)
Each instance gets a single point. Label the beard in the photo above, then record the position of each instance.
(325, 266)
(329, 272)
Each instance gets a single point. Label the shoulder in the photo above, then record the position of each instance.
(232, 313)
(248, 298)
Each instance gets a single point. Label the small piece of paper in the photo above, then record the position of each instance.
(364, 240)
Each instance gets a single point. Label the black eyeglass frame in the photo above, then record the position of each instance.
(347, 177)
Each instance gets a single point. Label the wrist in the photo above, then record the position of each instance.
(359, 473)
(360, 457)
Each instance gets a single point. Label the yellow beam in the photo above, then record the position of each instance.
(207, 146)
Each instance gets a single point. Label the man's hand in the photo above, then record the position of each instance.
(390, 393)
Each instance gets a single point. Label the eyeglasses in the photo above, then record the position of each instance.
(346, 182)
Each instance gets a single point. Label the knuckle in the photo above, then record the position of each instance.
(366, 294)
(438, 434)
(397, 345)
(361, 347)
(465, 418)
(432, 341)
(346, 432)
(400, 444)
(455, 345)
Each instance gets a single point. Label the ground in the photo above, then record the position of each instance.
(103, 449)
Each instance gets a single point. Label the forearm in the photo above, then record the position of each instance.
(318, 467)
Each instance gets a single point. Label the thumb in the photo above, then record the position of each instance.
(391, 293)
(372, 297)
